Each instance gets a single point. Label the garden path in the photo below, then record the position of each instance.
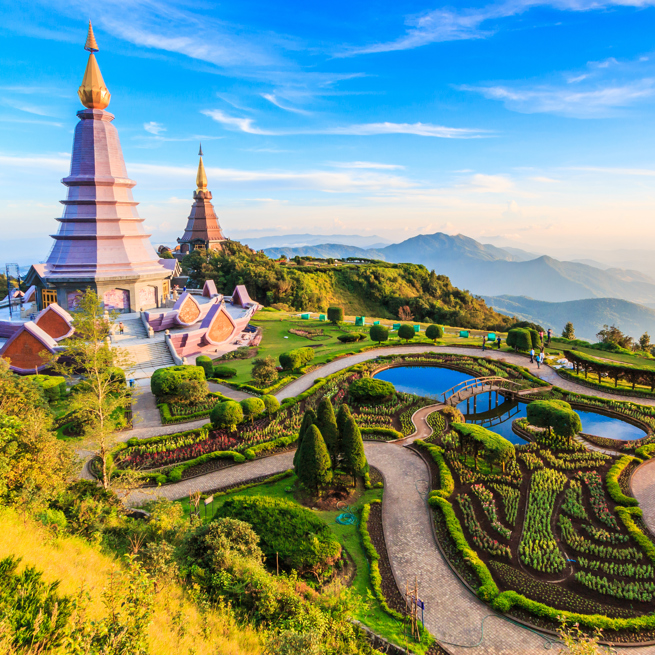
(419, 419)
(642, 485)
(545, 373)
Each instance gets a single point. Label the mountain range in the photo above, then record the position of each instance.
(499, 273)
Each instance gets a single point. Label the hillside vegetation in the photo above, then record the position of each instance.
(372, 288)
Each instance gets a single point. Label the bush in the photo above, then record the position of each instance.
(556, 415)
(300, 539)
(53, 386)
(266, 446)
(271, 404)
(264, 371)
(252, 407)
(335, 314)
(370, 390)
(351, 337)
(519, 339)
(206, 363)
(226, 415)
(434, 332)
(406, 332)
(224, 372)
(169, 382)
(446, 481)
(295, 359)
(612, 481)
(379, 333)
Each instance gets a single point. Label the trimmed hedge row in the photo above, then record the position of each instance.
(612, 482)
(267, 390)
(373, 556)
(175, 475)
(167, 418)
(626, 514)
(645, 452)
(389, 432)
(272, 478)
(253, 451)
(445, 476)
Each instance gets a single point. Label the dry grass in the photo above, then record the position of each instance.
(77, 564)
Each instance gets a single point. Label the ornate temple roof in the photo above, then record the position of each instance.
(202, 226)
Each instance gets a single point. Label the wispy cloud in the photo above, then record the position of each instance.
(366, 164)
(490, 183)
(445, 24)
(590, 103)
(273, 100)
(154, 128)
(364, 129)
(640, 172)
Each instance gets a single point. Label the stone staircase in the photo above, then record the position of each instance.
(150, 354)
(133, 328)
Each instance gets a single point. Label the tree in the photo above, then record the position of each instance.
(610, 334)
(352, 446)
(406, 332)
(644, 341)
(519, 339)
(226, 415)
(99, 399)
(168, 383)
(314, 469)
(166, 254)
(405, 313)
(207, 365)
(379, 333)
(271, 403)
(568, 332)
(326, 422)
(556, 415)
(264, 371)
(252, 407)
(307, 420)
(342, 416)
(434, 332)
(335, 315)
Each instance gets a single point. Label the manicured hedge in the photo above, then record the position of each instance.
(207, 365)
(175, 475)
(53, 386)
(167, 418)
(626, 514)
(223, 372)
(165, 382)
(612, 482)
(301, 539)
(555, 414)
(281, 442)
(645, 452)
(295, 359)
(274, 388)
(370, 390)
(445, 476)
(491, 442)
(351, 337)
(389, 432)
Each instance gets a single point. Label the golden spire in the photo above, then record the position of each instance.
(201, 177)
(93, 92)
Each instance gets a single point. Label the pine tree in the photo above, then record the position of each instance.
(354, 459)
(314, 469)
(342, 415)
(308, 419)
(326, 422)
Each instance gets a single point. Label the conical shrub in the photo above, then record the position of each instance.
(314, 468)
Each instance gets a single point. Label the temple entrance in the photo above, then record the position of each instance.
(147, 298)
(48, 296)
(117, 300)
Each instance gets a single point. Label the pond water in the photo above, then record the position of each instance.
(432, 381)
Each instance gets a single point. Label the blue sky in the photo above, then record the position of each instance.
(519, 122)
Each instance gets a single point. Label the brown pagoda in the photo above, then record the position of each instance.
(202, 229)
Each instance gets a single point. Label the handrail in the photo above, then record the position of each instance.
(475, 382)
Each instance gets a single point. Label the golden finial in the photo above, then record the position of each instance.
(93, 93)
(201, 177)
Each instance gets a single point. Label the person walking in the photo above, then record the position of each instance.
(498, 340)
(121, 328)
(484, 342)
(531, 355)
(538, 361)
(541, 336)
(550, 333)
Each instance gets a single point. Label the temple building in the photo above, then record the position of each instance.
(101, 243)
(202, 229)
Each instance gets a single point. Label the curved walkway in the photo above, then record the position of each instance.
(643, 489)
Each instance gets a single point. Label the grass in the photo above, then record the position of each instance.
(608, 383)
(370, 613)
(631, 360)
(78, 564)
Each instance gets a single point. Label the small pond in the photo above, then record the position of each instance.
(432, 381)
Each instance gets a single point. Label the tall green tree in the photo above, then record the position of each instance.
(568, 332)
(314, 469)
(644, 341)
(307, 420)
(352, 446)
(342, 415)
(326, 422)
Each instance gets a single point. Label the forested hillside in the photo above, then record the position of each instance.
(374, 288)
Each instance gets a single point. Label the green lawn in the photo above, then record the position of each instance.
(370, 612)
(631, 360)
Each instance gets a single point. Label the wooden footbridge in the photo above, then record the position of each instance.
(477, 386)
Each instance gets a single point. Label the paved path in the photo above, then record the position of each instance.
(591, 446)
(419, 419)
(642, 485)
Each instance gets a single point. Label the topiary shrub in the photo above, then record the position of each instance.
(167, 383)
(371, 391)
(226, 415)
(406, 332)
(224, 372)
(335, 314)
(434, 332)
(555, 415)
(351, 337)
(379, 333)
(519, 339)
(206, 364)
(252, 407)
(271, 404)
(295, 359)
(300, 539)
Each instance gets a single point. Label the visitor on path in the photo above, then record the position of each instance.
(121, 328)
(498, 340)
(538, 361)
(531, 355)
(541, 336)
(484, 343)
(550, 333)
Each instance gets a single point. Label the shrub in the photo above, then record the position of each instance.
(252, 407)
(519, 339)
(326, 422)
(645, 452)
(169, 382)
(53, 386)
(370, 390)
(496, 449)
(295, 359)
(264, 371)
(556, 415)
(612, 482)
(224, 372)
(335, 314)
(300, 539)
(226, 415)
(379, 333)
(206, 363)
(434, 332)
(313, 467)
(406, 332)
(351, 337)
(271, 404)
(446, 480)
(352, 448)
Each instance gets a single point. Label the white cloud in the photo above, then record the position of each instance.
(640, 172)
(273, 100)
(593, 103)
(154, 128)
(491, 183)
(365, 129)
(366, 164)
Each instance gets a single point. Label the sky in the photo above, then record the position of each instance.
(518, 122)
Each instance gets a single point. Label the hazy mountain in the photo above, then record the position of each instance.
(522, 255)
(302, 240)
(325, 250)
(587, 316)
